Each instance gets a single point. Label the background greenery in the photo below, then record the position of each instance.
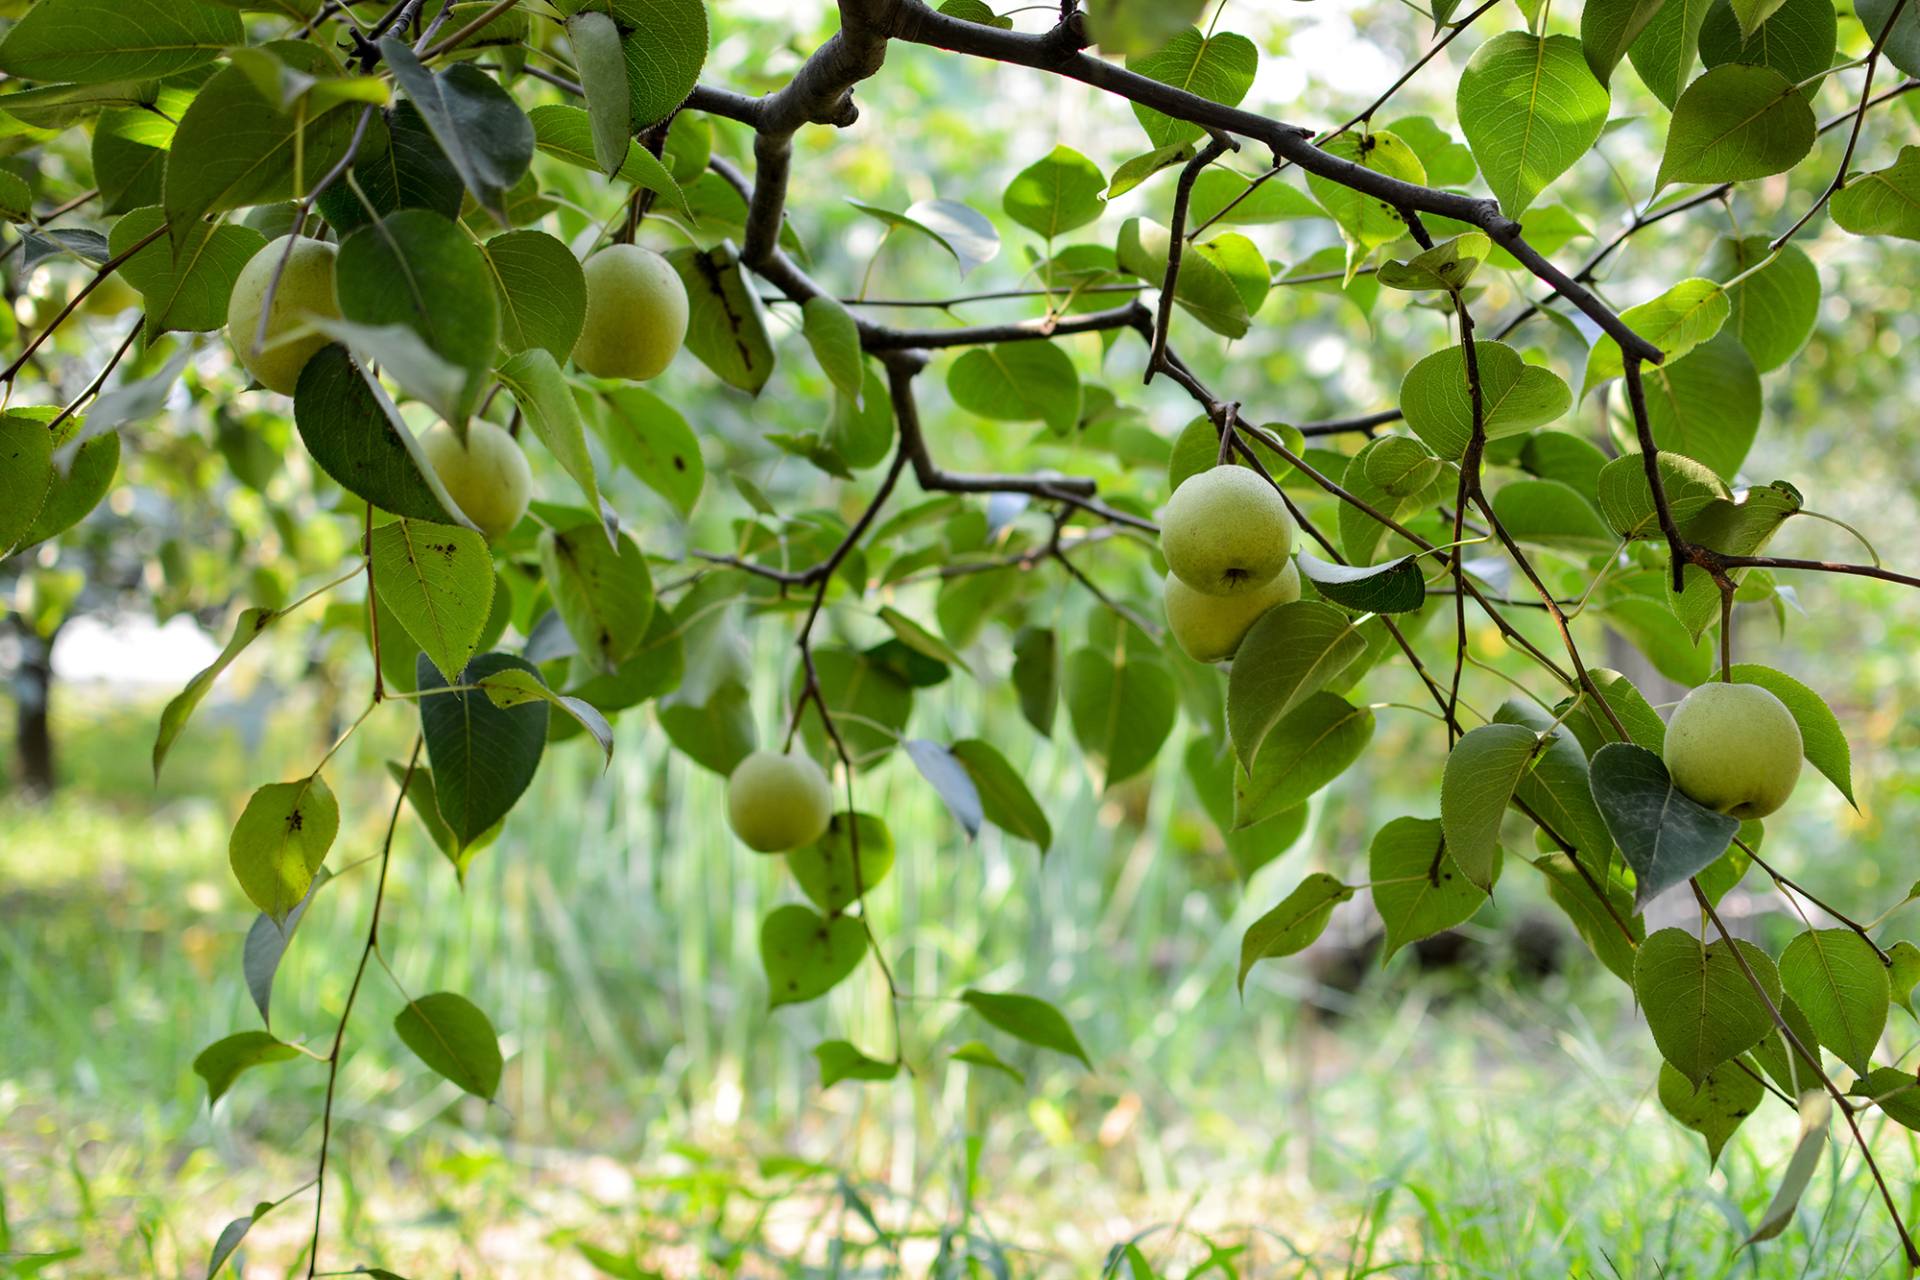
(1483, 1119)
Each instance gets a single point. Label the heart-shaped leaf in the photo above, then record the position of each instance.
(1417, 887)
(450, 1034)
(1291, 926)
(1291, 653)
(1482, 770)
(806, 955)
(826, 869)
(1699, 1004)
(1836, 978)
(483, 756)
(1665, 835)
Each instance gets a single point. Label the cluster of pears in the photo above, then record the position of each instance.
(636, 321)
(1735, 748)
(1226, 535)
(778, 801)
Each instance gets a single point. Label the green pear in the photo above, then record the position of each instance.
(1735, 748)
(1210, 628)
(1226, 532)
(305, 292)
(636, 314)
(487, 477)
(777, 802)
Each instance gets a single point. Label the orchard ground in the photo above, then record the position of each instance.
(1471, 1121)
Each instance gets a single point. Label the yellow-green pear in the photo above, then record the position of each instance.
(1735, 748)
(636, 314)
(305, 292)
(1210, 628)
(487, 477)
(778, 801)
(1226, 532)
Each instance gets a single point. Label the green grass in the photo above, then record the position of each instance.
(654, 1111)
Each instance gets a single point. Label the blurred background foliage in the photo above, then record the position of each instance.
(1478, 1108)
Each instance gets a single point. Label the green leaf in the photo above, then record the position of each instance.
(1515, 396)
(1903, 41)
(1204, 290)
(1608, 27)
(1290, 927)
(1905, 972)
(1137, 169)
(483, 756)
(483, 132)
(92, 41)
(1138, 27)
(566, 133)
(1570, 459)
(1775, 308)
(1698, 1003)
(542, 292)
(975, 11)
(266, 943)
(1291, 653)
(1816, 1112)
(603, 591)
(1777, 1056)
(1365, 222)
(1059, 192)
(1894, 1091)
(1557, 787)
(1707, 404)
(1798, 40)
(1716, 1107)
(961, 230)
(1219, 68)
(1036, 676)
(234, 148)
(417, 269)
(546, 402)
(806, 955)
(232, 1234)
(187, 290)
(1599, 923)
(451, 1035)
(1482, 771)
(725, 330)
(410, 172)
(1228, 198)
(1529, 107)
(281, 839)
(976, 1054)
(438, 581)
(1665, 835)
(1885, 202)
(1676, 322)
(919, 639)
(1824, 742)
(357, 437)
(870, 702)
(1664, 52)
(423, 799)
(1027, 1018)
(513, 687)
(1417, 887)
(833, 335)
(1626, 499)
(1837, 979)
(653, 441)
(1735, 123)
(221, 1062)
(173, 718)
(839, 1061)
(26, 474)
(1551, 514)
(1018, 382)
(950, 779)
(1393, 587)
(1360, 534)
(825, 869)
(1735, 528)
(1449, 265)
(603, 75)
(1004, 796)
(666, 43)
(1752, 13)
(1310, 747)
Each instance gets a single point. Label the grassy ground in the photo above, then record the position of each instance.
(657, 1120)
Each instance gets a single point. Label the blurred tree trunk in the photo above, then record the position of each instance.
(33, 732)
